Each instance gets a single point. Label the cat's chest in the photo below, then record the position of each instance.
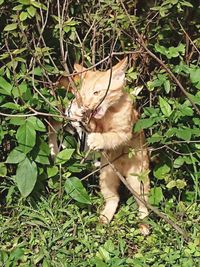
(110, 122)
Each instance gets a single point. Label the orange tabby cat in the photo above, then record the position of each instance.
(111, 130)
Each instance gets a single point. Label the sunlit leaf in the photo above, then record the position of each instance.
(11, 27)
(64, 155)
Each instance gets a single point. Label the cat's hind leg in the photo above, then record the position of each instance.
(109, 184)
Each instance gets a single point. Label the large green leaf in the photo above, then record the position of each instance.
(26, 136)
(76, 190)
(64, 155)
(26, 177)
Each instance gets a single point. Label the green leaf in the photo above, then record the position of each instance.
(26, 177)
(43, 154)
(161, 171)
(17, 121)
(186, 3)
(15, 156)
(20, 90)
(19, 51)
(23, 16)
(155, 138)
(18, 8)
(10, 27)
(31, 10)
(165, 107)
(52, 171)
(103, 254)
(171, 184)
(3, 169)
(25, 2)
(64, 155)
(26, 137)
(180, 184)
(38, 5)
(184, 134)
(143, 124)
(156, 195)
(167, 86)
(11, 105)
(75, 189)
(178, 162)
(5, 87)
(38, 125)
(160, 48)
(98, 262)
(195, 77)
(16, 254)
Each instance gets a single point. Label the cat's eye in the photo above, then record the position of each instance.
(96, 92)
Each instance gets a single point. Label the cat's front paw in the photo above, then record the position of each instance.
(95, 141)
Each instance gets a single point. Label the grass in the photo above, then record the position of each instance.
(59, 232)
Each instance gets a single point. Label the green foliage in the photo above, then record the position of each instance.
(26, 176)
(37, 39)
(56, 232)
(75, 189)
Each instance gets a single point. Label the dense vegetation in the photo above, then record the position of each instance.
(48, 216)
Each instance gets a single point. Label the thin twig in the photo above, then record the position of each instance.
(188, 37)
(85, 157)
(36, 113)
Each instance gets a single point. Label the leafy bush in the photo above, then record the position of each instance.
(41, 40)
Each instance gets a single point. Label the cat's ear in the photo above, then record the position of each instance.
(65, 82)
(79, 68)
(118, 71)
(121, 65)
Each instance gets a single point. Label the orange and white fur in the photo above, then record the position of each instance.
(111, 131)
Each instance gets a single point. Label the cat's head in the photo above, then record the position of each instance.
(99, 90)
